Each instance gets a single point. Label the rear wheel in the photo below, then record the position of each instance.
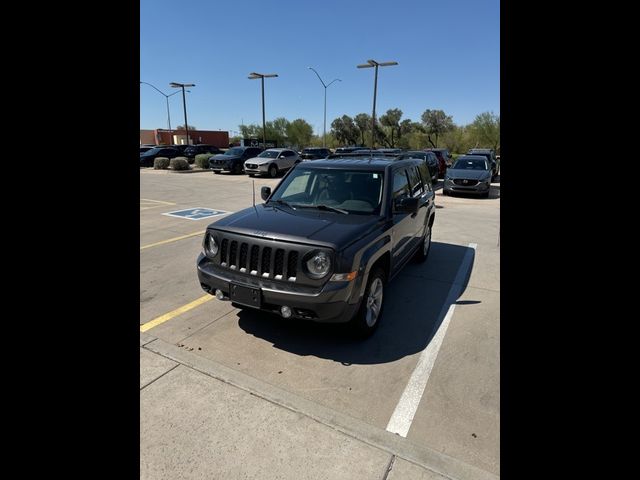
(370, 312)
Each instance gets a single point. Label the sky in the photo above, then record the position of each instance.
(448, 54)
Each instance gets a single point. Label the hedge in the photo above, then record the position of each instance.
(179, 163)
(161, 163)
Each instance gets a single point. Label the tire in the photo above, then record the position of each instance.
(444, 192)
(252, 175)
(366, 320)
(423, 252)
(485, 195)
(237, 169)
(273, 171)
(217, 172)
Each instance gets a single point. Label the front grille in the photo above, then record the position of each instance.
(223, 251)
(244, 248)
(292, 265)
(232, 254)
(265, 266)
(278, 266)
(252, 165)
(255, 259)
(465, 182)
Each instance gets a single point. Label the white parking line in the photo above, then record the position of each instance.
(404, 412)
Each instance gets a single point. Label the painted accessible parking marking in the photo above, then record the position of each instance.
(195, 213)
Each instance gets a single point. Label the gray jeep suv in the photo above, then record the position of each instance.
(326, 241)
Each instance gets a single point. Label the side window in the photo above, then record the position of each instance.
(400, 185)
(415, 182)
(423, 170)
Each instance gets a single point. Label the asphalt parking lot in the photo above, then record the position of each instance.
(241, 394)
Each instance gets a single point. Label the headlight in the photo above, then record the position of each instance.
(210, 245)
(319, 265)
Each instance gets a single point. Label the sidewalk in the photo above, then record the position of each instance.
(200, 419)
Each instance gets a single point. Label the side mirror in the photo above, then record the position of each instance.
(265, 192)
(407, 205)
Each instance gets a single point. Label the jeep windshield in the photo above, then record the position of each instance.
(334, 190)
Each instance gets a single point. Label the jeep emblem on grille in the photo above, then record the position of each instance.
(465, 181)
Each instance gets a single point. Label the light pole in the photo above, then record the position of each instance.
(184, 103)
(324, 135)
(369, 64)
(167, 99)
(261, 76)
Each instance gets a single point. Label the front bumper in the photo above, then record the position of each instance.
(479, 188)
(331, 303)
(257, 170)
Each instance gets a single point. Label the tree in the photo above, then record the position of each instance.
(436, 123)
(363, 124)
(299, 133)
(485, 130)
(181, 127)
(345, 130)
(391, 120)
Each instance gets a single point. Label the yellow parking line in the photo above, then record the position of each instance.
(156, 201)
(174, 239)
(178, 311)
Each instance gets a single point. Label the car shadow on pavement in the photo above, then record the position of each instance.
(416, 302)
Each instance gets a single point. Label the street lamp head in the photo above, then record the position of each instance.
(365, 65)
(254, 75)
(181, 85)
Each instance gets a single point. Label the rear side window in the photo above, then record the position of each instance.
(426, 176)
(415, 183)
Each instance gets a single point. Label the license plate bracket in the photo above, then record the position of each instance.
(249, 296)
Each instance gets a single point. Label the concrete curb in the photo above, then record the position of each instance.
(199, 170)
(394, 444)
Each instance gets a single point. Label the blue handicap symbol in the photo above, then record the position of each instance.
(196, 213)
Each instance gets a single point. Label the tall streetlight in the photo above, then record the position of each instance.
(369, 64)
(167, 99)
(184, 103)
(324, 136)
(262, 76)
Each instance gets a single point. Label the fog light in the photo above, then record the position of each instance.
(219, 294)
(285, 311)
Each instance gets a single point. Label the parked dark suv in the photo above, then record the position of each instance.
(326, 241)
(490, 154)
(430, 159)
(233, 159)
(444, 159)
(147, 158)
(314, 153)
(192, 150)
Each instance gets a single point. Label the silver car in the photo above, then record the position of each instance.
(271, 162)
(469, 174)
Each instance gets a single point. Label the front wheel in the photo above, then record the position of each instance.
(423, 251)
(369, 314)
(273, 171)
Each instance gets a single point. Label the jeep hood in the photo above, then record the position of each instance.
(309, 226)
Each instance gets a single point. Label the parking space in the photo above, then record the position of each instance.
(429, 374)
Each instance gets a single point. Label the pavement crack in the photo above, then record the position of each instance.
(152, 381)
(389, 467)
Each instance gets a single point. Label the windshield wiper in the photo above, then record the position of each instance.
(325, 207)
(283, 202)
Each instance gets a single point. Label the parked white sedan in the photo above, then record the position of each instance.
(271, 162)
